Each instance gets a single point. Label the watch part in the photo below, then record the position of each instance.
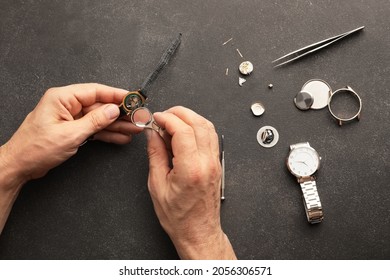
(303, 100)
(227, 41)
(240, 54)
(241, 81)
(267, 136)
(246, 68)
(345, 105)
(257, 109)
(312, 202)
(320, 91)
(143, 117)
(131, 101)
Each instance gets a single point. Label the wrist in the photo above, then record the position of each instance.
(12, 177)
(11, 181)
(213, 247)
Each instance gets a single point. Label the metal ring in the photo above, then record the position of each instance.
(348, 90)
(147, 123)
(143, 123)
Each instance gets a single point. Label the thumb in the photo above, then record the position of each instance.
(158, 160)
(98, 119)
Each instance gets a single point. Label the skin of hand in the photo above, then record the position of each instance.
(185, 190)
(62, 120)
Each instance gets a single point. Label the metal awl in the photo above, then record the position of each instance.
(223, 169)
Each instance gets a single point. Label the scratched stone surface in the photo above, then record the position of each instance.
(97, 206)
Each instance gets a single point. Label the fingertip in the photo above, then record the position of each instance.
(177, 110)
(158, 114)
(112, 111)
(159, 118)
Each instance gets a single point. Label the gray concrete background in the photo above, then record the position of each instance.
(96, 205)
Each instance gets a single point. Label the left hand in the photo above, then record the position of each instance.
(63, 119)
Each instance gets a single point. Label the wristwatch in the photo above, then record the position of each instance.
(303, 161)
(132, 101)
(137, 99)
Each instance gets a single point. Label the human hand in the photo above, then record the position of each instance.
(186, 195)
(63, 119)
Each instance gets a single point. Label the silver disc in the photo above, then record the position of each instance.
(303, 100)
(320, 91)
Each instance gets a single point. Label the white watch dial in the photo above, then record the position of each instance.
(303, 161)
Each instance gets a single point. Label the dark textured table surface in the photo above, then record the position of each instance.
(97, 206)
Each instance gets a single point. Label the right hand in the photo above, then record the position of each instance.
(186, 195)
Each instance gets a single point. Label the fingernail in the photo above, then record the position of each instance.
(159, 115)
(111, 111)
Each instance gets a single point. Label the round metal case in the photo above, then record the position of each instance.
(345, 105)
(131, 101)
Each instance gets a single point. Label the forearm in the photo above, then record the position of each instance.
(10, 184)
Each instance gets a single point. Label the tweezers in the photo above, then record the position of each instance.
(312, 48)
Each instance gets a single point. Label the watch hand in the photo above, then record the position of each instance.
(302, 162)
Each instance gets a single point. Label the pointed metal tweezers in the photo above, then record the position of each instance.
(313, 47)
